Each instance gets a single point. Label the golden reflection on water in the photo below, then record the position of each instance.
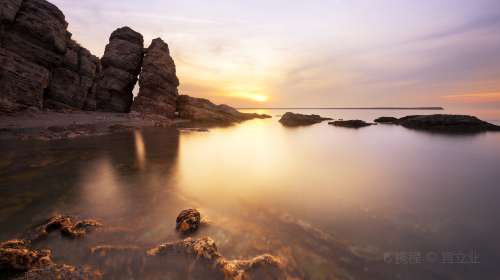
(101, 189)
(140, 149)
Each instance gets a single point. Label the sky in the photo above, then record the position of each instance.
(276, 53)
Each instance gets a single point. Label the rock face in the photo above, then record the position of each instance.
(293, 119)
(121, 64)
(188, 221)
(350, 123)
(41, 64)
(158, 82)
(203, 111)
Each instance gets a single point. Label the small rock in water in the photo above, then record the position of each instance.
(391, 120)
(188, 221)
(350, 123)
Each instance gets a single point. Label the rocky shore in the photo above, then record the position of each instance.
(22, 259)
(44, 73)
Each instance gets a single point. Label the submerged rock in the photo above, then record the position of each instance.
(350, 123)
(293, 119)
(392, 120)
(201, 110)
(66, 225)
(261, 267)
(63, 272)
(16, 256)
(447, 123)
(188, 221)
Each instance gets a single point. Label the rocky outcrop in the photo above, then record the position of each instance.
(350, 123)
(447, 123)
(442, 123)
(293, 119)
(41, 64)
(121, 64)
(201, 110)
(158, 82)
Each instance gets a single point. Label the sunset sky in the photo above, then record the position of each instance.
(315, 53)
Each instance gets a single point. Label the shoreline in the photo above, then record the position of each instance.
(51, 125)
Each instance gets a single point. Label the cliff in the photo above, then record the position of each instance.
(42, 67)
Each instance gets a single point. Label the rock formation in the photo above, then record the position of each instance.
(203, 111)
(40, 63)
(293, 119)
(42, 67)
(442, 123)
(350, 123)
(121, 64)
(158, 82)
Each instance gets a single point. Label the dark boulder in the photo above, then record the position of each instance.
(158, 82)
(350, 123)
(121, 64)
(293, 119)
(188, 221)
(391, 120)
(447, 123)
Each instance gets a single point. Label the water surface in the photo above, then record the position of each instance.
(336, 202)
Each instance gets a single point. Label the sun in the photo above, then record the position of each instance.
(259, 98)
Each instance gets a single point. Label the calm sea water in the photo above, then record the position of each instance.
(381, 202)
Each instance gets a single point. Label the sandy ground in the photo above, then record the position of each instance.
(46, 125)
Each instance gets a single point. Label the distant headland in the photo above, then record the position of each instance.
(341, 108)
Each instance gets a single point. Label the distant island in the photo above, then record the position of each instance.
(343, 108)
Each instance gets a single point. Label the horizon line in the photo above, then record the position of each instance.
(343, 108)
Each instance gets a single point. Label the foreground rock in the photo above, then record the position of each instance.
(188, 221)
(121, 64)
(201, 110)
(442, 123)
(16, 256)
(68, 226)
(158, 82)
(293, 119)
(350, 123)
(204, 252)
